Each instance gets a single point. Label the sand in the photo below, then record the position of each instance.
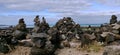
(73, 51)
(20, 50)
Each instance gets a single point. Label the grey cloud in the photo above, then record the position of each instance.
(72, 8)
(63, 7)
(109, 2)
(55, 6)
(51, 5)
(13, 19)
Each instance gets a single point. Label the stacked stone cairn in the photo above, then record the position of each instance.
(45, 40)
(20, 30)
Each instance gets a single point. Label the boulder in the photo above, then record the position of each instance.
(104, 34)
(48, 50)
(19, 34)
(41, 46)
(39, 39)
(115, 26)
(86, 39)
(35, 29)
(4, 48)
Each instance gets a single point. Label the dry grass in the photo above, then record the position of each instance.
(73, 51)
(94, 47)
(20, 50)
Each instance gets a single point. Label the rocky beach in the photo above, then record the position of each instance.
(66, 37)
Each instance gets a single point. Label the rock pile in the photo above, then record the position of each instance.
(20, 30)
(45, 40)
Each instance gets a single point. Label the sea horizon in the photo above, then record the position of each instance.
(51, 25)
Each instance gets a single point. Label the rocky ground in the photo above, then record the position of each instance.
(92, 50)
(20, 50)
(73, 51)
(66, 51)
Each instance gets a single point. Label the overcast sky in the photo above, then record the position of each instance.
(82, 11)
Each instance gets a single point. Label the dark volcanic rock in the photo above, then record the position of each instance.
(4, 48)
(113, 19)
(37, 21)
(42, 46)
(19, 34)
(42, 27)
(20, 30)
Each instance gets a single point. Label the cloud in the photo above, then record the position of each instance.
(109, 2)
(51, 9)
(34, 5)
(13, 19)
(51, 5)
(64, 7)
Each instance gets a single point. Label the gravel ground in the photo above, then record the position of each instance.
(73, 51)
(20, 50)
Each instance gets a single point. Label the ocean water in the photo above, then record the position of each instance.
(82, 25)
(31, 26)
(93, 25)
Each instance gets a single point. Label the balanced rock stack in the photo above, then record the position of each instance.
(36, 24)
(113, 19)
(40, 27)
(20, 30)
(41, 44)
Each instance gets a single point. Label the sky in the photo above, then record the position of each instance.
(82, 11)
